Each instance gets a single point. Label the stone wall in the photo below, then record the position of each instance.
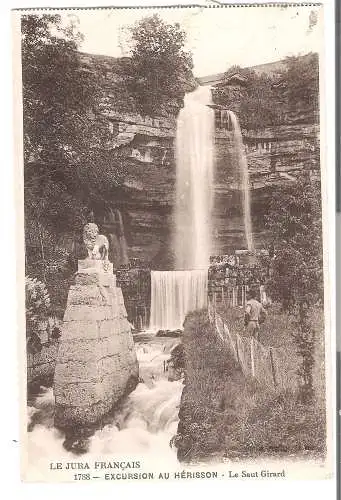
(96, 363)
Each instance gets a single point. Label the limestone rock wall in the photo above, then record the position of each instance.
(96, 363)
(146, 145)
(274, 154)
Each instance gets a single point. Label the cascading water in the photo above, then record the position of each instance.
(144, 425)
(122, 239)
(173, 295)
(117, 240)
(243, 171)
(194, 180)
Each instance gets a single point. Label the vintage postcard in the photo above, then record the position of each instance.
(174, 280)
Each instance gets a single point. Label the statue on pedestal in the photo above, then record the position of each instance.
(96, 363)
(96, 244)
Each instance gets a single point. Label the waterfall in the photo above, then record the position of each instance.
(118, 248)
(122, 239)
(244, 178)
(194, 181)
(173, 295)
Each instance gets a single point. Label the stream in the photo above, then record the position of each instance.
(143, 425)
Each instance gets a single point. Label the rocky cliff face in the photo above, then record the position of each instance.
(147, 148)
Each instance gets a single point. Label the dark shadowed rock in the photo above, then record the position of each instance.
(169, 333)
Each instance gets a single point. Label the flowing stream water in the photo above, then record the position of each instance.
(143, 425)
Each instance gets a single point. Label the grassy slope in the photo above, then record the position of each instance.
(224, 415)
(277, 332)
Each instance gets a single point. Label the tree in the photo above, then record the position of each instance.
(57, 93)
(37, 308)
(295, 222)
(289, 93)
(255, 102)
(300, 79)
(160, 67)
(66, 143)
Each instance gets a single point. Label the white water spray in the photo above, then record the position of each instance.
(244, 177)
(173, 295)
(143, 426)
(194, 180)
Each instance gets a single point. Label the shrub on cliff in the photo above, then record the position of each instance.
(300, 81)
(255, 103)
(295, 222)
(288, 94)
(160, 67)
(37, 302)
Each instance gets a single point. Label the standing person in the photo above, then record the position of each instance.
(254, 315)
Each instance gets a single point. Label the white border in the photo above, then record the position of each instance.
(9, 365)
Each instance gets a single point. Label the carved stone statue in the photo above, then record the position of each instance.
(97, 244)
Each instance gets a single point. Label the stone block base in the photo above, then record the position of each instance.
(96, 363)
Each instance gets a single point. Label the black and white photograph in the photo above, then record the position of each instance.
(176, 321)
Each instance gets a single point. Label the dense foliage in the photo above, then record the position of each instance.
(255, 102)
(295, 222)
(300, 80)
(224, 414)
(160, 66)
(37, 307)
(288, 93)
(66, 144)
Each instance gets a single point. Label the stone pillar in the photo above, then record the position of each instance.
(96, 362)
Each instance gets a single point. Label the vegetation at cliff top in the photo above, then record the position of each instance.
(291, 94)
(160, 67)
(224, 415)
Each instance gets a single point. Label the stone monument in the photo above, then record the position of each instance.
(96, 362)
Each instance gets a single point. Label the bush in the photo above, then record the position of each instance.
(288, 94)
(276, 424)
(223, 414)
(296, 276)
(37, 307)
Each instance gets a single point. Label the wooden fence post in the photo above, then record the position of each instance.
(237, 349)
(272, 367)
(252, 356)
